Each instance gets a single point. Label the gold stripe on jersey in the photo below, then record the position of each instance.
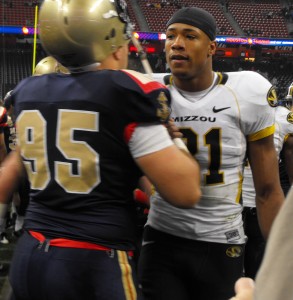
(238, 197)
(286, 137)
(261, 134)
(126, 272)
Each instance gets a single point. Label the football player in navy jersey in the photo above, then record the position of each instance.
(3, 153)
(85, 139)
(20, 198)
(3, 207)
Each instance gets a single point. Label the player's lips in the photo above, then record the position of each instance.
(178, 57)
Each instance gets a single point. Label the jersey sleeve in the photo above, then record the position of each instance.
(146, 100)
(162, 77)
(258, 100)
(284, 127)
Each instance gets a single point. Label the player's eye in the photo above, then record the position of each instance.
(190, 36)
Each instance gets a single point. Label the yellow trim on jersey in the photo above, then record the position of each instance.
(171, 80)
(126, 272)
(261, 134)
(238, 197)
(286, 137)
(220, 75)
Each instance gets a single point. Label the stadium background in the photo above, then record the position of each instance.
(252, 35)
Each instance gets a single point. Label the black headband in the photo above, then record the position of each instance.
(196, 17)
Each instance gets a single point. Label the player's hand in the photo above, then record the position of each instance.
(244, 288)
(173, 130)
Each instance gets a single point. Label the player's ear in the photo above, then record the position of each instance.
(212, 48)
(119, 53)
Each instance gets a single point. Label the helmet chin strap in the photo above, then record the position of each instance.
(87, 68)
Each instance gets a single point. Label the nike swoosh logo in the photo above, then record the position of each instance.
(215, 110)
(144, 243)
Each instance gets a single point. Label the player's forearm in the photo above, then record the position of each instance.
(268, 207)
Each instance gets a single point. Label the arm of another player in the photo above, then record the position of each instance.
(269, 195)
(175, 175)
(288, 154)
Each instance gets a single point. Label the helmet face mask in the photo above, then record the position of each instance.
(83, 32)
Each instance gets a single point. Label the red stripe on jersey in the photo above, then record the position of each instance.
(146, 87)
(128, 131)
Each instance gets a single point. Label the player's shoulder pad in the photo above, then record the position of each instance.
(254, 85)
(133, 80)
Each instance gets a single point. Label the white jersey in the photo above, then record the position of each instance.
(284, 128)
(216, 125)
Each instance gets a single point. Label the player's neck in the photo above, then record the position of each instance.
(195, 84)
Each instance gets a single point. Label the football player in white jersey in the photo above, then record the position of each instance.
(283, 140)
(286, 154)
(115, 122)
(198, 253)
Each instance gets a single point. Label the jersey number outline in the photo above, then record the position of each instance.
(212, 139)
(32, 138)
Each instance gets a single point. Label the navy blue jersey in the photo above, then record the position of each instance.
(73, 132)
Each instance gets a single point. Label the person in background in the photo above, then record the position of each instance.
(283, 141)
(3, 153)
(3, 207)
(85, 139)
(286, 154)
(49, 65)
(198, 253)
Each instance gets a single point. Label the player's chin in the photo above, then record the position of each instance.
(179, 72)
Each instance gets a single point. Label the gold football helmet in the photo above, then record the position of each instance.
(49, 65)
(83, 32)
